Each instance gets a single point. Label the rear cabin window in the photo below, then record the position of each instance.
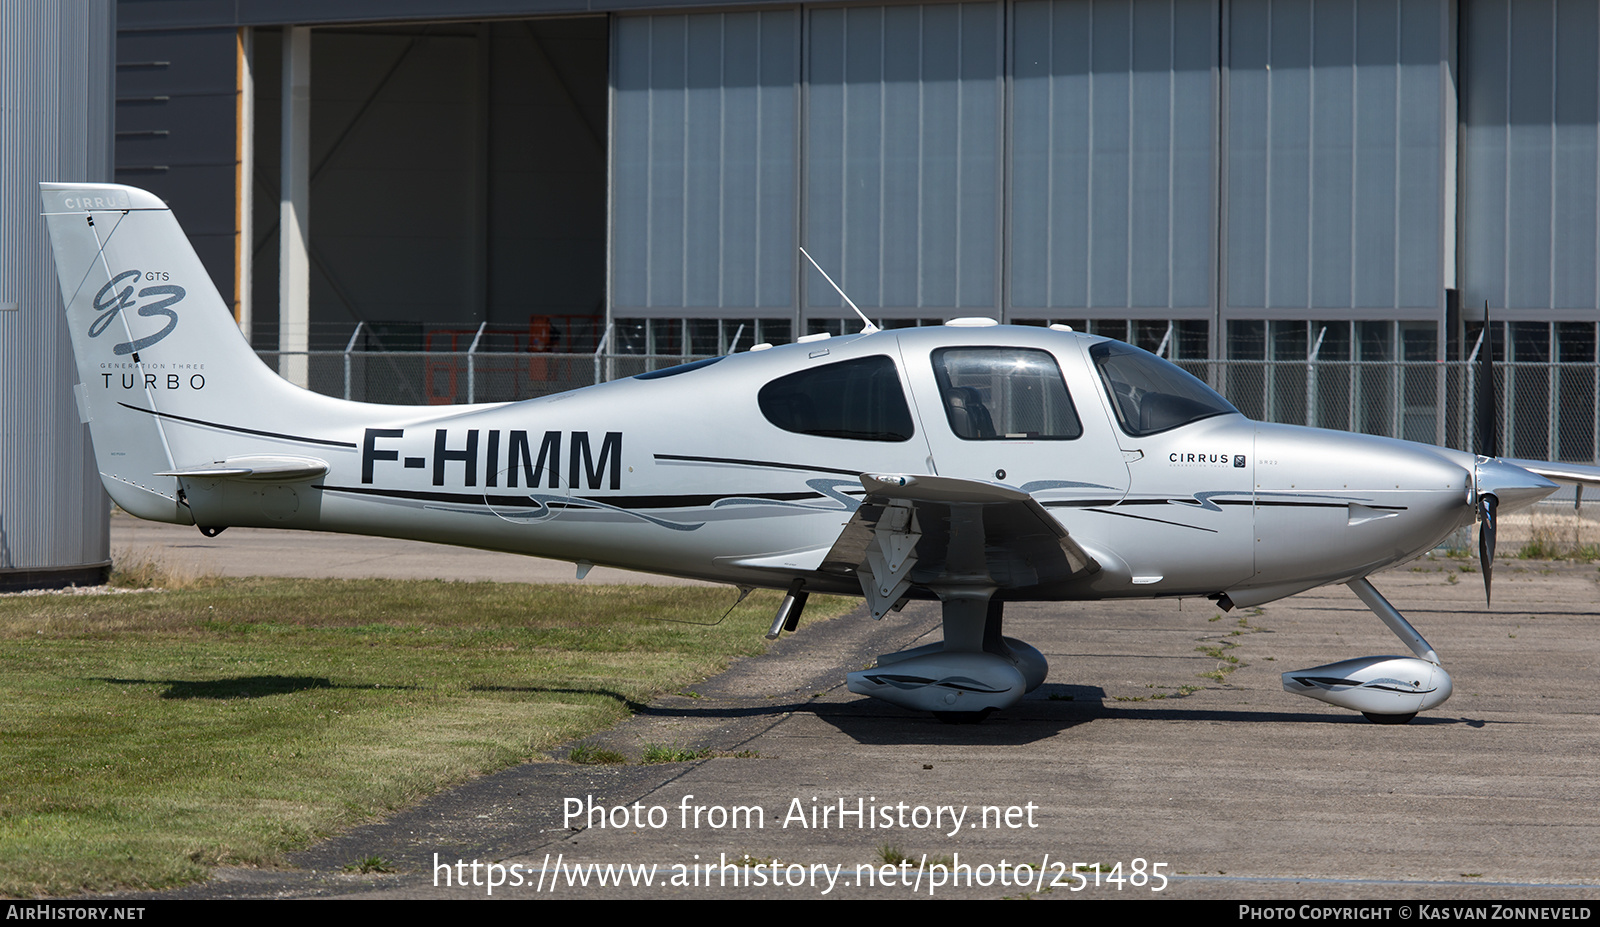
(858, 399)
(999, 394)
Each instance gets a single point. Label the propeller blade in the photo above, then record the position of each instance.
(1487, 507)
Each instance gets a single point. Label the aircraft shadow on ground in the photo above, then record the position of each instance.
(1055, 708)
(238, 686)
(1502, 612)
(632, 706)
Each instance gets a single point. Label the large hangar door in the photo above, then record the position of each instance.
(457, 177)
(547, 204)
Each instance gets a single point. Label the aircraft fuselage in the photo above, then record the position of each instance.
(686, 474)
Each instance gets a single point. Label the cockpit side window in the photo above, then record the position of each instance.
(998, 394)
(1151, 395)
(858, 399)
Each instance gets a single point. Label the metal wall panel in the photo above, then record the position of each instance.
(177, 100)
(1331, 186)
(1335, 156)
(903, 151)
(1531, 151)
(199, 14)
(1113, 172)
(55, 125)
(704, 175)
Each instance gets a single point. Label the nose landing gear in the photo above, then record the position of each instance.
(1387, 689)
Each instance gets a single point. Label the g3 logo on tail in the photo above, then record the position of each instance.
(109, 301)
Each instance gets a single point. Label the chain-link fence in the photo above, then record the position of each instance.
(1395, 399)
(455, 377)
(1547, 411)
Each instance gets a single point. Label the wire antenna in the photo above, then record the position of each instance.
(868, 327)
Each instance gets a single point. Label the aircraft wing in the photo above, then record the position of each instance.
(942, 531)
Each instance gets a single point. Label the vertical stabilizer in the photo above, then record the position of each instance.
(155, 343)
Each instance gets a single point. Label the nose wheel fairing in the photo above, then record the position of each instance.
(1383, 686)
(1387, 689)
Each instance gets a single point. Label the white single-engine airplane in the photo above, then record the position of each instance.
(973, 462)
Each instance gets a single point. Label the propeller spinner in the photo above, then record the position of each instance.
(1498, 483)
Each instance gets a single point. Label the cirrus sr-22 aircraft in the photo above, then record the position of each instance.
(974, 463)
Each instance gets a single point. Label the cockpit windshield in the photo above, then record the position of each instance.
(1151, 395)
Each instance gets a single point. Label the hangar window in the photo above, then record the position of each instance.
(995, 394)
(859, 399)
(1151, 395)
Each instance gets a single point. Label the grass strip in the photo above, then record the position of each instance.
(148, 736)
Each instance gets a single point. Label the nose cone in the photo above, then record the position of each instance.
(1515, 487)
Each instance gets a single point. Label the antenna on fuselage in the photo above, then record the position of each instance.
(868, 328)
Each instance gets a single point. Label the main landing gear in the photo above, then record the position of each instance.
(975, 670)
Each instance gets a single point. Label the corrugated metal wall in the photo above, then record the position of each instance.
(55, 124)
(1530, 109)
(1164, 159)
(1113, 136)
(903, 151)
(176, 96)
(704, 134)
(1336, 157)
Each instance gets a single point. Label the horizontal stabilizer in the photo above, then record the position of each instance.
(256, 469)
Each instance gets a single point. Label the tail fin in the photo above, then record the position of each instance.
(154, 343)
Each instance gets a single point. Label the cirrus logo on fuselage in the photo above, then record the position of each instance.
(111, 301)
(1200, 459)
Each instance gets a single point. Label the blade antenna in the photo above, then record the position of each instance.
(867, 326)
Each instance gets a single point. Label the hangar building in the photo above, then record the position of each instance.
(1344, 180)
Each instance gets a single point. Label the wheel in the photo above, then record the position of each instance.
(1376, 718)
(962, 717)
